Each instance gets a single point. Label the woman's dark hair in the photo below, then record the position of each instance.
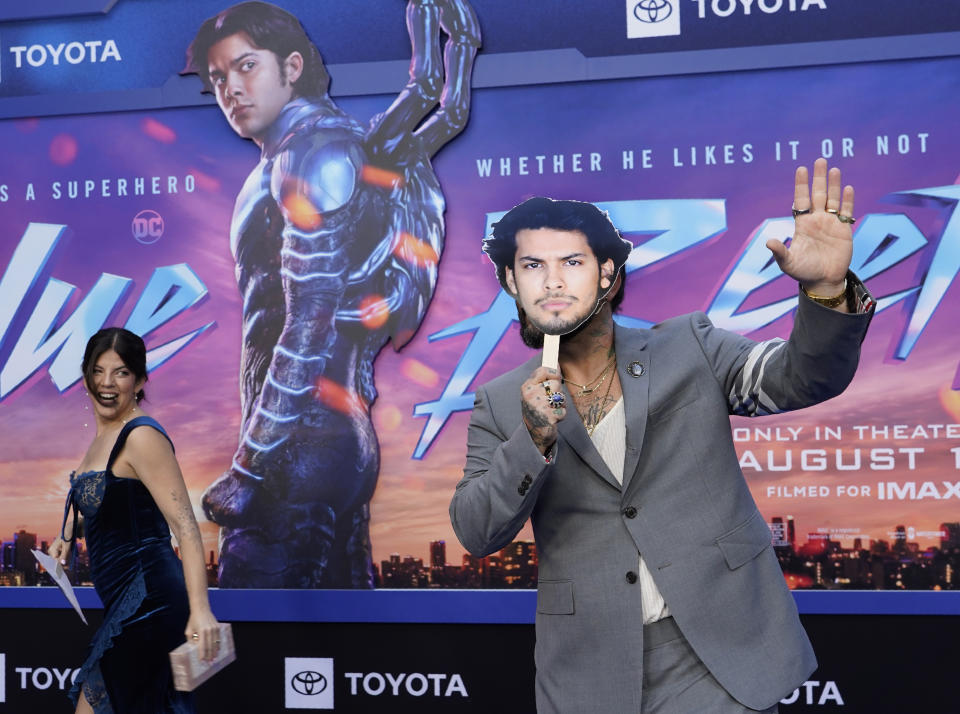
(604, 239)
(269, 28)
(126, 344)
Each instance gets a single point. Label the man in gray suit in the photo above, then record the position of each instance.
(702, 620)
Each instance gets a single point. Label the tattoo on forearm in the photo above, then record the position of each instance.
(183, 516)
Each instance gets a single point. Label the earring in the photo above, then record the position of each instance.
(86, 408)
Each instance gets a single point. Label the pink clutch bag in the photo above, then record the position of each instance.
(189, 671)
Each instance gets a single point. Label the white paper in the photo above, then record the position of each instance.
(551, 351)
(53, 566)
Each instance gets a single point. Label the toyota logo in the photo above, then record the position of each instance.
(308, 682)
(652, 10)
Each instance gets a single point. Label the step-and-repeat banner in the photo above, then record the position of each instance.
(129, 197)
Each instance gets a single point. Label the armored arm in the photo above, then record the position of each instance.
(463, 32)
(433, 78)
(314, 181)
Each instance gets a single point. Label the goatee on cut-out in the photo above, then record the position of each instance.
(548, 338)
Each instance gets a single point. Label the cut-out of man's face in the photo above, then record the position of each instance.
(251, 85)
(556, 279)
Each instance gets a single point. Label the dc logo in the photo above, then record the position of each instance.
(309, 683)
(147, 227)
(652, 10)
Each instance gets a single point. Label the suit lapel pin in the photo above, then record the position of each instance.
(635, 369)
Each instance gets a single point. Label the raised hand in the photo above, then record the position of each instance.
(819, 253)
(540, 415)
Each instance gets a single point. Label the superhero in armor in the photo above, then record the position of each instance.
(336, 234)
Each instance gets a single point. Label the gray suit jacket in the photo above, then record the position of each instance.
(684, 505)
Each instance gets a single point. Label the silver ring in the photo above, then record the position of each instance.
(195, 636)
(798, 212)
(557, 400)
(846, 219)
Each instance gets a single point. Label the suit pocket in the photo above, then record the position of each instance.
(686, 395)
(746, 541)
(555, 597)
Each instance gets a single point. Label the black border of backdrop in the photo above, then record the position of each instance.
(868, 664)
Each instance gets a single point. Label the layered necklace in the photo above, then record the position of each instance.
(598, 416)
(594, 384)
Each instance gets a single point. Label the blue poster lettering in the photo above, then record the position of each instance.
(938, 270)
(673, 226)
(170, 291)
(881, 242)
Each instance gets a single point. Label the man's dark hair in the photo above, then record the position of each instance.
(603, 237)
(126, 344)
(269, 28)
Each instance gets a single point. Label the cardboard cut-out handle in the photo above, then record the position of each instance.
(551, 351)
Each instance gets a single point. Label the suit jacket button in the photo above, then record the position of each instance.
(631, 577)
(522, 490)
(630, 512)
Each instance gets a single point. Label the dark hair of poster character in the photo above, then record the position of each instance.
(126, 344)
(269, 28)
(539, 212)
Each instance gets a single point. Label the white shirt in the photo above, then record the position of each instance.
(610, 439)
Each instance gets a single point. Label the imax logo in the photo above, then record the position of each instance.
(69, 52)
(652, 18)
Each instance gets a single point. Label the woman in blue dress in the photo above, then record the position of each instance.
(131, 494)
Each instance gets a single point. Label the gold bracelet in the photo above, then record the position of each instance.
(828, 301)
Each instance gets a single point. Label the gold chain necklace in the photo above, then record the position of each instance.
(586, 388)
(591, 427)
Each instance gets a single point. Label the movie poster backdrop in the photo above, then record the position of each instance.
(124, 218)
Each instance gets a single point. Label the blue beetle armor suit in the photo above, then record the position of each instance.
(336, 235)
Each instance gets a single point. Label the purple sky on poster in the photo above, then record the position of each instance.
(674, 120)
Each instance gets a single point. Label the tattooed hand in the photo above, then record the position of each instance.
(539, 417)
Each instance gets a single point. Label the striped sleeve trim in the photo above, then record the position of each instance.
(747, 397)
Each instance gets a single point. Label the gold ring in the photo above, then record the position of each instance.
(846, 219)
(834, 211)
(195, 636)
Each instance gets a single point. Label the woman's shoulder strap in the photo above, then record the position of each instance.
(125, 432)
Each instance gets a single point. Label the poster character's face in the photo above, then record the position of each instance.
(252, 86)
(113, 387)
(556, 278)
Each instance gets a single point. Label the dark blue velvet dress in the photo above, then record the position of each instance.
(139, 578)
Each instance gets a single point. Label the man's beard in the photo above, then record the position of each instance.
(532, 335)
